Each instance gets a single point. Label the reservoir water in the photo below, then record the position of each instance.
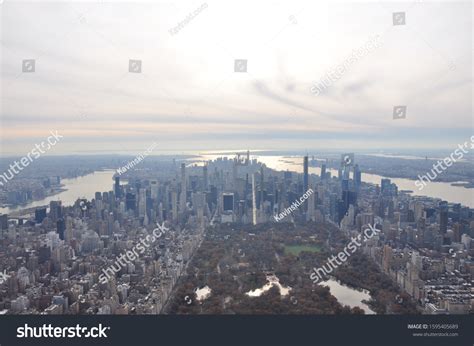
(349, 296)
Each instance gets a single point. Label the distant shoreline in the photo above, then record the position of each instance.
(49, 194)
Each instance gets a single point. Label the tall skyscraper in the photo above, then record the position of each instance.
(254, 201)
(130, 201)
(305, 180)
(3, 221)
(205, 176)
(305, 174)
(40, 214)
(182, 196)
(385, 186)
(154, 189)
(310, 214)
(61, 227)
(323, 171)
(141, 202)
(234, 174)
(55, 210)
(443, 217)
(174, 205)
(357, 177)
(117, 187)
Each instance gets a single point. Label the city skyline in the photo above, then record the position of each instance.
(149, 235)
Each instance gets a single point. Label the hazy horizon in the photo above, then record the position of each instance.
(188, 97)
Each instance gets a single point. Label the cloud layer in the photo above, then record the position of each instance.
(188, 96)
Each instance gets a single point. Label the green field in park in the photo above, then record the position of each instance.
(297, 249)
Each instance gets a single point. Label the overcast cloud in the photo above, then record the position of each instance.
(188, 96)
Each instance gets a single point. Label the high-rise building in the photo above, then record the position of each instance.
(357, 177)
(205, 176)
(182, 196)
(117, 187)
(228, 201)
(130, 201)
(61, 227)
(154, 189)
(385, 187)
(234, 174)
(443, 217)
(323, 171)
(199, 203)
(310, 214)
(254, 201)
(141, 202)
(55, 210)
(174, 205)
(305, 174)
(3, 221)
(40, 214)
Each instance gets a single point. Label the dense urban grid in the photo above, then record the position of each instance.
(53, 259)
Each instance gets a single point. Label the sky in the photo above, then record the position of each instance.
(189, 98)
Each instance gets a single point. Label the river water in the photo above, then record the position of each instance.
(81, 187)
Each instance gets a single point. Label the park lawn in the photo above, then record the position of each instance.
(297, 249)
